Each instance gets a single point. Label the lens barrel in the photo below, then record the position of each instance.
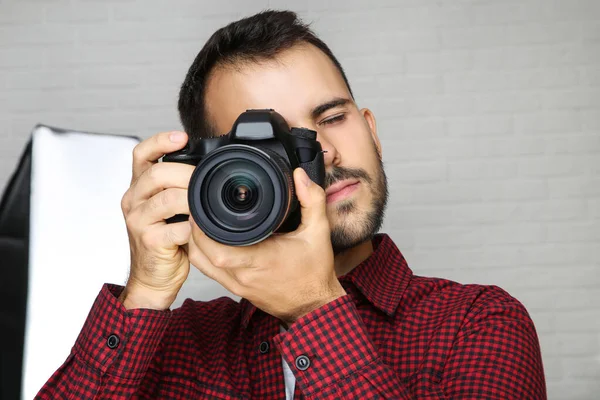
(240, 195)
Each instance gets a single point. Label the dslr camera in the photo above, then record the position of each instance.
(242, 189)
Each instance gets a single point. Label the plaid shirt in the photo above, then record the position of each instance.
(393, 336)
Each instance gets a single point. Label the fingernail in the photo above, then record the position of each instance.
(176, 137)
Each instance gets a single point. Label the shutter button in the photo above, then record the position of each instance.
(264, 347)
(113, 341)
(302, 363)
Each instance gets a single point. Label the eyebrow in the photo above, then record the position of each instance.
(321, 108)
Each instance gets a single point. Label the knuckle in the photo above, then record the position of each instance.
(137, 152)
(125, 204)
(131, 220)
(220, 261)
(166, 198)
(153, 172)
(236, 288)
(149, 239)
(172, 237)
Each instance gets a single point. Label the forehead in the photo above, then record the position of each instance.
(292, 84)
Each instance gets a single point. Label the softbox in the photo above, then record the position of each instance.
(62, 235)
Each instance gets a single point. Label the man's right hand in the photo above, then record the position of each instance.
(159, 260)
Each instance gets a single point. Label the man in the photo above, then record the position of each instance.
(330, 310)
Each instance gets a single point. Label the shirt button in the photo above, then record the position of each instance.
(264, 347)
(113, 341)
(302, 363)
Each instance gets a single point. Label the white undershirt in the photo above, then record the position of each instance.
(288, 376)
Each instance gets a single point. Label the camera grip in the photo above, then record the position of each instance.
(315, 169)
(177, 218)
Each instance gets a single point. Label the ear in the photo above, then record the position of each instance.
(370, 120)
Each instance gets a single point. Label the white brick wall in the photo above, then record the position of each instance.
(489, 113)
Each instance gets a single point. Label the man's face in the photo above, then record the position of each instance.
(303, 85)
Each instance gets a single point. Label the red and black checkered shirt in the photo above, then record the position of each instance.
(393, 336)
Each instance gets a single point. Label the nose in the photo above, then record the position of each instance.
(332, 156)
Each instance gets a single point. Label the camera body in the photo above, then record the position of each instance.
(242, 189)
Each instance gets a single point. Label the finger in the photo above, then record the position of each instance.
(161, 206)
(312, 198)
(171, 235)
(150, 150)
(199, 260)
(220, 255)
(158, 178)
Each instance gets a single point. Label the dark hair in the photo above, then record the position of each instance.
(258, 37)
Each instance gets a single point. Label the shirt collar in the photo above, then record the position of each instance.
(381, 278)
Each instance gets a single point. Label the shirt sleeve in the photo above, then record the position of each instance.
(332, 356)
(495, 355)
(113, 351)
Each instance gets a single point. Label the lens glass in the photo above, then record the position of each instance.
(238, 195)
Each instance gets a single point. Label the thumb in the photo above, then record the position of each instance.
(311, 196)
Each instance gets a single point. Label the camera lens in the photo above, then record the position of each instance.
(237, 195)
(240, 194)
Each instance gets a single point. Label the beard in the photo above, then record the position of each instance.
(360, 225)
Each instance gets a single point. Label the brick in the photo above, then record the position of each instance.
(584, 367)
(577, 10)
(480, 169)
(491, 13)
(557, 254)
(574, 187)
(573, 99)
(578, 344)
(570, 54)
(560, 299)
(506, 102)
(380, 64)
(455, 60)
(479, 125)
(419, 171)
(578, 320)
(171, 76)
(571, 389)
(589, 75)
(412, 128)
(448, 237)
(548, 121)
(445, 259)
(443, 193)
(159, 10)
(447, 105)
(474, 81)
(556, 165)
(20, 13)
(590, 121)
(530, 189)
(550, 210)
(515, 233)
(546, 78)
(473, 37)
(110, 78)
(402, 41)
(40, 79)
(506, 59)
(422, 62)
(161, 98)
(77, 12)
(17, 58)
(543, 33)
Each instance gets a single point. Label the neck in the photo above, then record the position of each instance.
(347, 260)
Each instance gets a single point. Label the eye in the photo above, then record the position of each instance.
(333, 120)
